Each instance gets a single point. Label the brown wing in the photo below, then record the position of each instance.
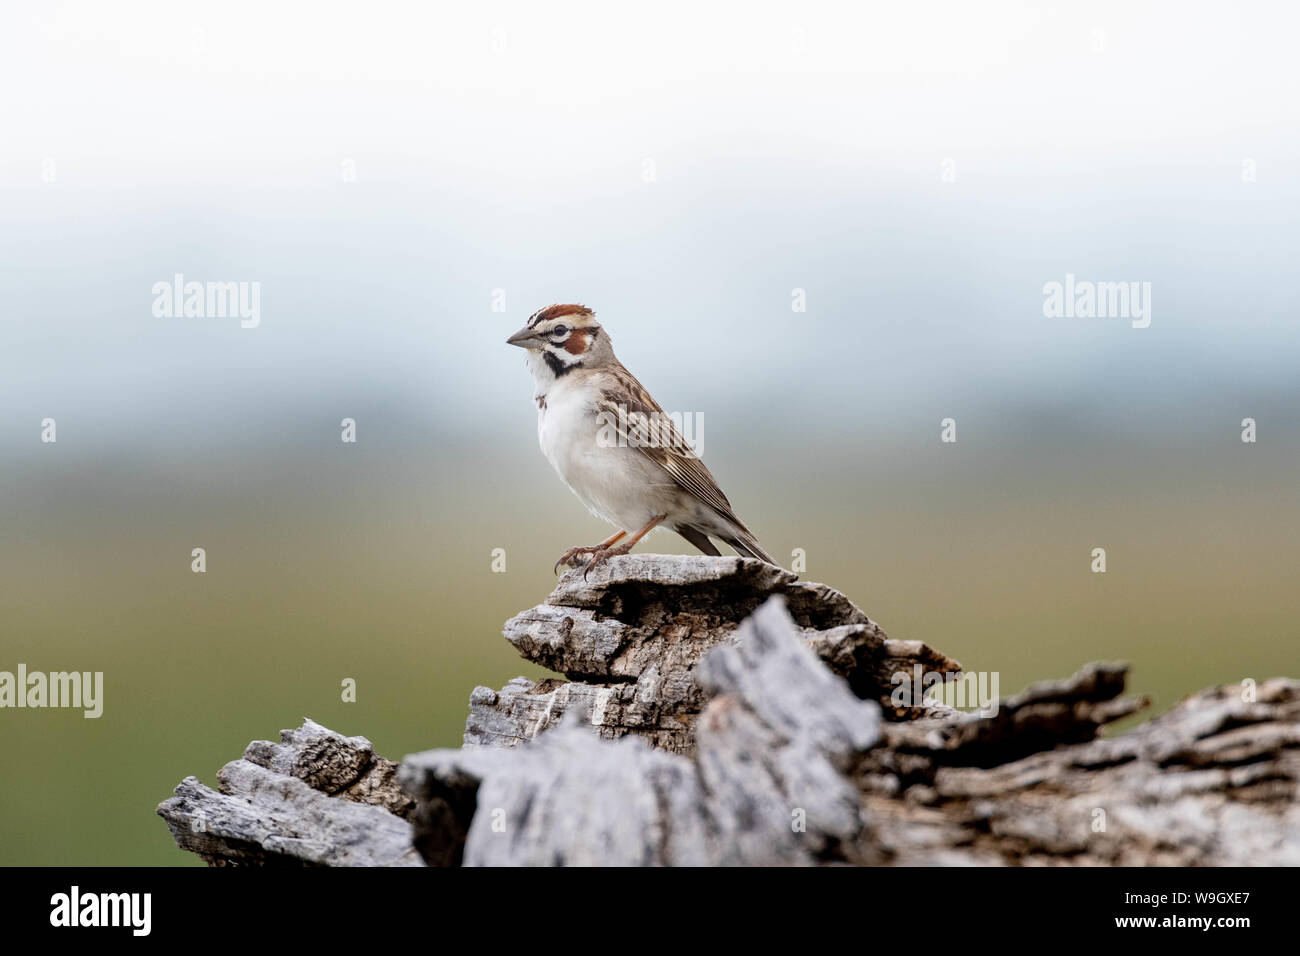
(668, 449)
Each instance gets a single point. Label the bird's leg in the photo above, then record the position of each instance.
(574, 552)
(605, 551)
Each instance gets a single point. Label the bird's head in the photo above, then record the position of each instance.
(562, 338)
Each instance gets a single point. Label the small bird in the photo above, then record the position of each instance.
(615, 447)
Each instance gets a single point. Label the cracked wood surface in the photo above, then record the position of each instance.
(317, 798)
(716, 711)
(765, 783)
(628, 640)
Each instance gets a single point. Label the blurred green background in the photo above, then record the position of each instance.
(383, 574)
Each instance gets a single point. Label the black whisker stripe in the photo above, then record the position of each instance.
(558, 367)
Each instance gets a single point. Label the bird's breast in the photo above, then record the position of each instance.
(566, 428)
(611, 480)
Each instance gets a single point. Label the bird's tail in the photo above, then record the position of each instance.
(736, 535)
(747, 546)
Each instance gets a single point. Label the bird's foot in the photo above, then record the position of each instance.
(601, 554)
(568, 556)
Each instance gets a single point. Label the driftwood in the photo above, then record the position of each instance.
(629, 639)
(717, 711)
(315, 799)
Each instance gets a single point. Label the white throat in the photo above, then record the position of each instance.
(543, 377)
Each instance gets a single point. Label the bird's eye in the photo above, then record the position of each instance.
(560, 330)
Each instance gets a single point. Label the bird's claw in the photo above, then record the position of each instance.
(601, 554)
(596, 558)
(570, 555)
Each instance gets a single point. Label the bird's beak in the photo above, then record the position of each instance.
(525, 339)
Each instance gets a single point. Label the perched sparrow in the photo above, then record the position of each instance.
(648, 476)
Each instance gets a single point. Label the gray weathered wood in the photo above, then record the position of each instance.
(629, 637)
(716, 711)
(1214, 781)
(316, 798)
(765, 784)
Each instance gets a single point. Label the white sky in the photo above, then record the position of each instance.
(503, 146)
(179, 91)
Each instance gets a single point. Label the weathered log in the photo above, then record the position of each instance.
(629, 637)
(315, 799)
(781, 746)
(1214, 781)
(721, 713)
(765, 784)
